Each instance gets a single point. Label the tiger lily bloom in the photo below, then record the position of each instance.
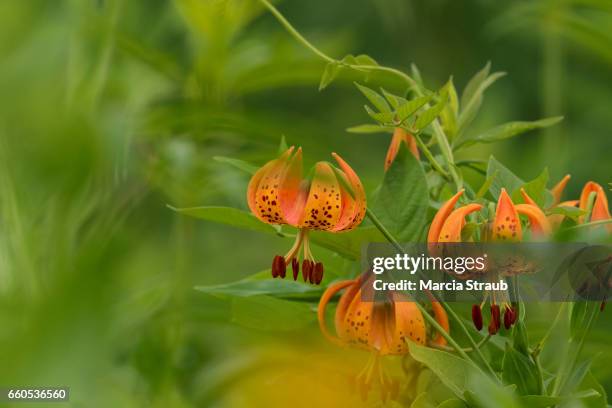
(399, 136)
(448, 221)
(381, 327)
(600, 210)
(332, 200)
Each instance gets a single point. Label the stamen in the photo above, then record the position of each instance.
(295, 266)
(495, 323)
(306, 269)
(477, 317)
(318, 273)
(278, 263)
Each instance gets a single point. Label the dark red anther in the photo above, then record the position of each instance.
(508, 318)
(306, 269)
(318, 273)
(277, 264)
(496, 316)
(493, 327)
(514, 315)
(295, 266)
(477, 317)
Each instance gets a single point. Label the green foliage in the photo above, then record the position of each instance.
(401, 202)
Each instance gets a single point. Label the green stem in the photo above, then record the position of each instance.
(431, 320)
(388, 236)
(300, 38)
(431, 158)
(475, 346)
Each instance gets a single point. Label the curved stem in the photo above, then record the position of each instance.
(431, 158)
(300, 38)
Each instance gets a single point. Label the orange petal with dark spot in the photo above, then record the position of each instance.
(323, 206)
(451, 230)
(441, 216)
(506, 225)
(353, 206)
(540, 225)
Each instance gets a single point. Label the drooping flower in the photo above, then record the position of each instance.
(399, 136)
(382, 327)
(332, 200)
(449, 222)
(600, 210)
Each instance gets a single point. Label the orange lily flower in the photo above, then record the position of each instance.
(333, 200)
(382, 327)
(507, 225)
(448, 222)
(600, 210)
(399, 136)
(557, 190)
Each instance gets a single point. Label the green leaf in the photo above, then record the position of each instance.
(394, 100)
(508, 130)
(349, 243)
(486, 186)
(591, 383)
(536, 189)
(375, 99)
(572, 212)
(228, 216)
(473, 94)
(422, 401)
(329, 74)
(409, 108)
(520, 370)
(368, 128)
(430, 114)
(520, 341)
(364, 59)
(453, 371)
(239, 164)
(505, 178)
(269, 313)
(473, 84)
(448, 116)
(282, 146)
(383, 117)
(402, 200)
(543, 401)
(254, 286)
(453, 403)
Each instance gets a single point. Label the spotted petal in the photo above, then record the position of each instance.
(264, 190)
(353, 205)
(323, 205)
(441, 216)
(506, 225)
(451, 230)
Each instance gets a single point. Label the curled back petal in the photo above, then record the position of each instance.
(526, 198)
(540, 225)
(394, 146)
(506, 225)
(323, 205)
(591, 187)
(441, 216)
(353, 205)
(451, 230)
(264, 188)
(557, 190)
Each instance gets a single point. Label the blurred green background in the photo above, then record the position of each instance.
(111, 109)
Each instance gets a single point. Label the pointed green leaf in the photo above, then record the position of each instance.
(520, 370)
(474, 83)
(508, 130)
(269, 313)
(239, 164)
(329, 74)
(505, 178)
(472, 97)
(228, 216)
(382, 117)
(375, 99)
(394, 100)
(402, 201)
(432, 113)
(536, 189)
(410, 107)
(368, 128)
(364, 59)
